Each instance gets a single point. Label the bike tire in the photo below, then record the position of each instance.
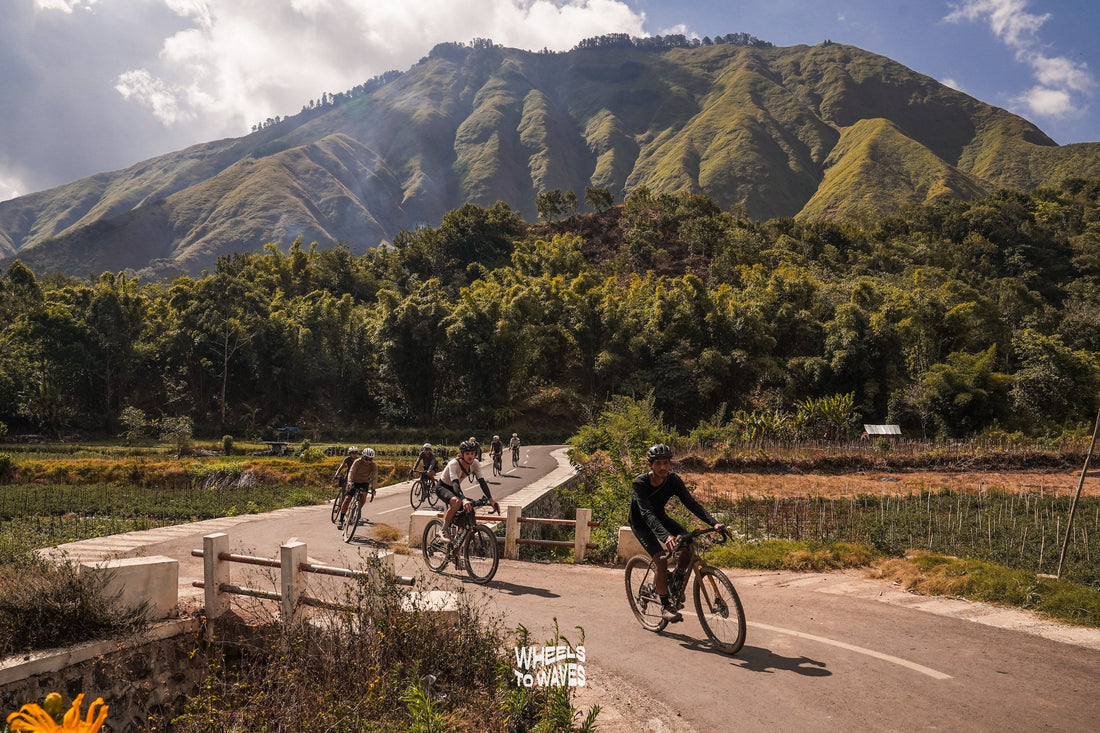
(433, 498)
(351, 521)
(719, 609)
(515, 459)
(497, 467)
(436, 551)
(416, 495)
(338, 502)
(482, 554)
(641, 592)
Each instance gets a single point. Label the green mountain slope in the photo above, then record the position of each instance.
(826, 130)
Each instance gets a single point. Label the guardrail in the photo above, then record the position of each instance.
(513, 518)
(292, 563)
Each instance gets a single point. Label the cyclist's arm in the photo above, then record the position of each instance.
(690, 502)
(649, 516)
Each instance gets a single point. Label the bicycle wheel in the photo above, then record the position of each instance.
(515, 458)
(416, 494)
(338, 502)
(351, 521)
(482, 554)
(496, 466)
(641, 591)
(719, 610)
(429, 490)
(436, 550)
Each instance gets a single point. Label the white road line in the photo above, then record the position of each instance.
(391, 510)
(858, 649)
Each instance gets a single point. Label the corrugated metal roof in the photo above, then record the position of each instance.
(882, 429)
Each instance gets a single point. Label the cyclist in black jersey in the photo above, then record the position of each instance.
(657, 532)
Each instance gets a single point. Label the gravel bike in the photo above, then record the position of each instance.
(515, 456)
(473, 545)
(423, 489)
(498, 464)
(716, 603)
(355, 511)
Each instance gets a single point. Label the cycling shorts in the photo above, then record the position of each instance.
(648, 538)
(446, 493)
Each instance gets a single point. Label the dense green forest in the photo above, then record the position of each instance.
(950, 318)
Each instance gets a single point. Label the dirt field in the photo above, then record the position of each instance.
(735, 485)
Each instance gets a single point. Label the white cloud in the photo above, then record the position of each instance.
(246, 60)
(10, 186)
(953, 83)
(1063, 83)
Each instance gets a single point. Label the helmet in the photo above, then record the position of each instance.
(352, 449)
(496, 437)
(467, 445)
(515, 435)
(368, 452)
(658, 451)
(473, 440)
(427, 446)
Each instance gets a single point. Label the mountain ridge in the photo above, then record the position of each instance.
(807, 131)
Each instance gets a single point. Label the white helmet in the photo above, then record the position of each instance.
(515, 435)
(427, 446)
(496, 437)
(352, 449)
(368, 452)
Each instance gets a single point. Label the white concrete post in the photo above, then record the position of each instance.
(582, 535)
(215, 572)
(511, 531)
(291, 579)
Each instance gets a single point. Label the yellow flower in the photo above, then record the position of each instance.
(33, 718)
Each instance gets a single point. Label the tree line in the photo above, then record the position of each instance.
(949, 318)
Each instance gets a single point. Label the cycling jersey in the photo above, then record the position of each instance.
(431, 463)
(454, 472)
(647, 508)
(513, 443)
(496, 448)
(364, 471)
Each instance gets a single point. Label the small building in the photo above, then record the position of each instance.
(875, 430)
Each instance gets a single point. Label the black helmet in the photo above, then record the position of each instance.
(467, 445)
(658, 451)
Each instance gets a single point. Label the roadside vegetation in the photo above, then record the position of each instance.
(987, 545)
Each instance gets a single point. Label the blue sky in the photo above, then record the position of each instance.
(98, 85)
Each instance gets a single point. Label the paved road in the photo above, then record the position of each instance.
(825, 652)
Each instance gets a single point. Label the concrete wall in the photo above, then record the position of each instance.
(142, 680)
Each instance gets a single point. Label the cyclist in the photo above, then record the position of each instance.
(657, 532)
(496, 448)
(477, 448)
(465, 465)
(363, 476)
(513, 444)
(341, 474)
(429, 461)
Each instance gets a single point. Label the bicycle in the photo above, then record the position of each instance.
(355, 511)
(716, 602)
(498, 464)
(423, 489)
(471, 542)
(515, 457)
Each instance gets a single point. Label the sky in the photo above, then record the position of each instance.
(99, 85)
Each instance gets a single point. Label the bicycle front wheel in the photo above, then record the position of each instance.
(515, 459)
(719, 610)
(416, 495)
(436, 550)
(338, 502)
(429, 491)
(496, 467)
(482, 554)
(351, 521)
(641, 591)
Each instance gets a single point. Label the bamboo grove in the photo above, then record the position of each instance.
(949, 317)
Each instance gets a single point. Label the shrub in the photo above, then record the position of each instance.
(227, 445)
(43, 606)
(7, 466)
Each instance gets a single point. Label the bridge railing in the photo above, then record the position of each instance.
(292, 564)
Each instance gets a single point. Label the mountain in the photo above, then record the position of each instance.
(807, 131)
